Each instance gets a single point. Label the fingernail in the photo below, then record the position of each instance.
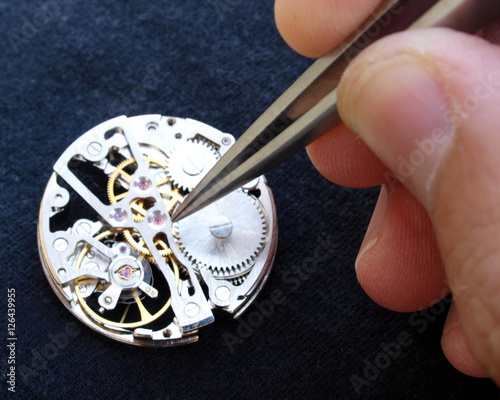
(401, 111)
(374, 227)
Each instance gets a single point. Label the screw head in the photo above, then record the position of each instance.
(94, 148)
(192, 309)
(84, 228)
(223, 293)
(60, 245)
(221, 227)
(192, 166)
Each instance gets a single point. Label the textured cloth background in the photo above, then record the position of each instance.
(76, 64)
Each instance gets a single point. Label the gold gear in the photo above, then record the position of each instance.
(139, 207)
(145, 316)
(135, 240)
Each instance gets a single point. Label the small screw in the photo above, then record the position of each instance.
(60, 245)
(192, 309)
(171, 121)
(94, 148)
(226, 141)
(223, 293)
(107, 300)
(84, 228)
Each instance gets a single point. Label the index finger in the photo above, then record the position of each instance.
(313, 28)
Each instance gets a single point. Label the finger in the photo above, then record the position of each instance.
(399, 265)
(492, 32)
(426, 102)
(455, 347)
(342, 157)
(313, 28)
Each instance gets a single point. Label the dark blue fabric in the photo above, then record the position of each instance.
(76, 64)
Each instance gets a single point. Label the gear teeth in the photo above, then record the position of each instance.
(201, 150)
(175, 196)
(141, 247)
(239, 207)
(113, 176)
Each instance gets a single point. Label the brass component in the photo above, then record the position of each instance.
(135, 240)
(132, 272)
(172, 197)
(140, 206)
(146, 316)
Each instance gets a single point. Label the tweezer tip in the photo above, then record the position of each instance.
(185, 209)
(177, 214)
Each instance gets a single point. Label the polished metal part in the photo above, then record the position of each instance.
(120, 268)
(308, 109)
(189, 162)
(224, 237)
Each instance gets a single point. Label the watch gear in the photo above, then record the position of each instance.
(119, 180)
(128, 282)
(137, 242)
(189, 162)
(111, 253)
(224, 237)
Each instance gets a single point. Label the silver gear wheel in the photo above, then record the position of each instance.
(189, 162)
(224, 237)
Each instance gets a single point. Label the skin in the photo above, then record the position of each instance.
(424, 105)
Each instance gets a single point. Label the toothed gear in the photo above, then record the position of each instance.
(135, 240)
(189, 162)
(224, 237)
(120, 178)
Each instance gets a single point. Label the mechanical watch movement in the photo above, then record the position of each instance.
(111, 252)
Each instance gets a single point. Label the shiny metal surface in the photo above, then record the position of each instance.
(308, 109)
(119, 266)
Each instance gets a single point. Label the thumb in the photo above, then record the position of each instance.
(428, 104)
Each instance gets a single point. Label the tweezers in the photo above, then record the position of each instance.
(308, 109)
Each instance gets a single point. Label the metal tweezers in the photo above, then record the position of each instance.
(308, 109)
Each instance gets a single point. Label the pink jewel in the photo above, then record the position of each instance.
(125, 273)
(158, 220)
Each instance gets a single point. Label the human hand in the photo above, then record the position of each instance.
(426, 105)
